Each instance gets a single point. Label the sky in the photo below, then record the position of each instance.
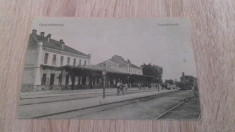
(165, 42)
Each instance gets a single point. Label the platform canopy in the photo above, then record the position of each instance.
(94, 72)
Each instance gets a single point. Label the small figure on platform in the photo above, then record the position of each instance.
(119, 84)
(139, 86)
(120, 87)
(125, 87)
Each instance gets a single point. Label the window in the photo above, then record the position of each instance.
(74, 62)
(84, 62)
(80, 62)
(46, 58)
(68, 60)
(54, 59)
(61, 60)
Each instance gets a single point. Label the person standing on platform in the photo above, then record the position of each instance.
(125, 87)
(122, 88)
(139, 86)
(118, 87)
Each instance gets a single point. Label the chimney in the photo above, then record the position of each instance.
(62, 44)
(182, 74)
(128, 61)
(48, 37)
(42, 34)
(34, 31)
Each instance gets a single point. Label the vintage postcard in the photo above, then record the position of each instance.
(125, 69)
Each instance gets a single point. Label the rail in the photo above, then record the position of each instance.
(186, 99)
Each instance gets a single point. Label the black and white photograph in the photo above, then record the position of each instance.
(109, 68)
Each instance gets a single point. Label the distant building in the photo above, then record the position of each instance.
(187, 82)
(118, 63)
(45, 51)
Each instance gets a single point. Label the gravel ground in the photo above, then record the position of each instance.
(143, 110)
(188, 110)
(63, 106)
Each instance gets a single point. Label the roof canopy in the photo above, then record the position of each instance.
(89, 70)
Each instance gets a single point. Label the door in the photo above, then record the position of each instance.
(44, 77)
(52, 78)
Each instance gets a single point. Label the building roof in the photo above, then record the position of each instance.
(108, 69)
(122, 62)
(188, 77)
(56, 44)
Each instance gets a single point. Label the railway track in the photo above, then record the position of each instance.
(92, 95)
(186, 99)
(89, 110)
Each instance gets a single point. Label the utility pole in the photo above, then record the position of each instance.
(104, 80)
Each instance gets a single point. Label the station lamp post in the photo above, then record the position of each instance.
(104, 80)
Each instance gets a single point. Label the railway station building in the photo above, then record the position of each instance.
(51, 64)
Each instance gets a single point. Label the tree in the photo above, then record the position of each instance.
(153, 70)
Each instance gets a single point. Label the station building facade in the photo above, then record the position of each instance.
(45, 51)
